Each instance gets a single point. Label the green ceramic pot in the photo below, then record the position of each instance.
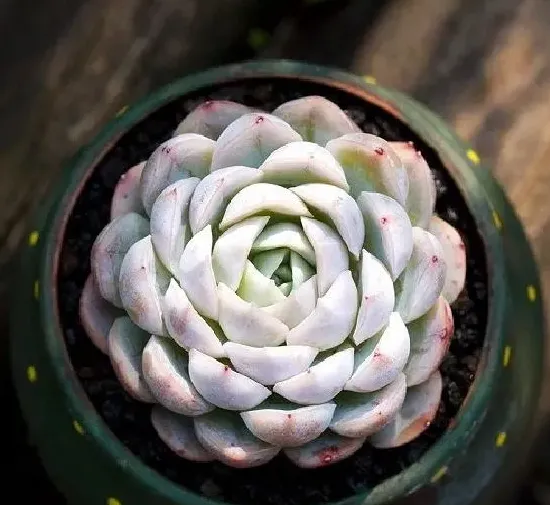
(477, 461)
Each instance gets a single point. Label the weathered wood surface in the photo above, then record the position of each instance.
(67, 67)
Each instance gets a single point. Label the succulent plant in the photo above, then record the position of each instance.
(277, 282)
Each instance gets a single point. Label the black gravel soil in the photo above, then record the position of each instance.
(279, 482)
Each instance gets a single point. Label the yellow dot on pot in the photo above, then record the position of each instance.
(501, 439)
(497, 220)
(36, 290)
(33, 238)
(113, 501)
(531, 293)
(121, 111)
(473, 156)
(32, 375)
(507, 355)
(439, 474)
(78, 427)
(369, 79)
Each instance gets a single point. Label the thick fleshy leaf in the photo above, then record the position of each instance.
(96, 314)
(371, 164)
(422, 281)
(232, 248)
(332, 319)
(362, 414)
(430, 339)
(422, 192)
(340, 208)
(317, 119)
(416, 414)
(287, 425)
(268, 261)
(300, 270)
(331, 253)
(178, 433)
(302, 163)
(211, 118)
(320, 383)
(326, 450)
(169, 223)
(258, 289)
(454, 253)
(381, 359)
(165, 370)
(219, 384)
(286, 288)
(250, 139)
(186, 326)
(388, 231)
(224, 435)
(187, 155)
(143, 281)
(262, 198)
(377, 298)
(247, 324)
(126, 343)
(109, 249)
(213, 193)
(298, 305)
(196, 274)
(268, 365)
(127, 197)
(288, 235)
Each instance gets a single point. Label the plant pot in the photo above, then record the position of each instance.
(475, 459)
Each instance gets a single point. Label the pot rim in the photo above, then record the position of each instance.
(434, 462)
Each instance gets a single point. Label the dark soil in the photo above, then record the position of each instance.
(279, 482)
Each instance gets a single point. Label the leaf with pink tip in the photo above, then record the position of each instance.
(126, 343)
(143, 281)
(211, 118)
(363, 414)
(165, 370)
(422, 281)
(214, 192)
(381, 359)
(178, 433)
(422, 192)
(127, 197)
(219, 384)
(285, 425)
(301, 163)
(376, 296)
(268, 365)
(196, 274)
(418, 411)
(328, 449)
(333, 318)
(317, 119)
(454, 253)
(186, 326)
(169, 224)
(96, 314)
(224, 435)
(430, 339)
(187, 155)
(371, 165)
(321, 382)
(247, 324)
(388, 231)
(249, 140)
(109, 249)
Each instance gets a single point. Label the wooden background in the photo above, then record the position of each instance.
(68, 66)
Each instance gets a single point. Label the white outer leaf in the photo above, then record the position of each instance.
(332, 319)
(196, 275)
(219, 384)
(340, 208)
(126, 197)
(268, 365)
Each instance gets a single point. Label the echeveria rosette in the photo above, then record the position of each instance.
(277, 282)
